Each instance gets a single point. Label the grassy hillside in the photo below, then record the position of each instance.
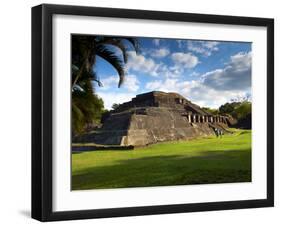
(200, 161)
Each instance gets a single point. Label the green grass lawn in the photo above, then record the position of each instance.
(200, 161)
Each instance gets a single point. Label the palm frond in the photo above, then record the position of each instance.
(86, 106)
(135, 43)
(113, 59)
(117, 43)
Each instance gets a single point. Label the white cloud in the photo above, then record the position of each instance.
(109, 82)
(138, 62)
(206, 48)
(131, 83)
(167, 85)
(241, 60)
(154, 85)
(214, 88)
(212, 45)
(180, 43)
(165, 71)
(195, 91)
(146, 65)
(156, 41)
(110, 98)
(235, 76)
(159, 53)
(206, 96)
(186, 60)
(194, 74)
(127, 91)
(174, 71)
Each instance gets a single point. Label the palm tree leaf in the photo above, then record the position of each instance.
(86, 106)
(75, 69)
(117, 43)
(134, 42)
(113, 59)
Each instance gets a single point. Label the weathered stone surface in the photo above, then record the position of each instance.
(154, 117)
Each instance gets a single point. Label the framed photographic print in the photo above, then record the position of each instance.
(146, 112)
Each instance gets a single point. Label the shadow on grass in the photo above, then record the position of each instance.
(81, 149)
(206, 168)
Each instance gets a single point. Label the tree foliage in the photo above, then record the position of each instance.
(86, 105)
(211, 110)
(237, 110)
(86, 109)
(115, 106)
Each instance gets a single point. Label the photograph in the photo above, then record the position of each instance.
(156, 111)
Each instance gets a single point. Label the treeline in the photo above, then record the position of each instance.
(240, 111)
(237, 110)
(87, 110)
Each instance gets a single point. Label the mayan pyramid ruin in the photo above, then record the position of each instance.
(155, 117)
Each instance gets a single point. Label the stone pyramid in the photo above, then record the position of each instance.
(155, 117)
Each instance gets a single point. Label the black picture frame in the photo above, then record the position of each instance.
(42, 111)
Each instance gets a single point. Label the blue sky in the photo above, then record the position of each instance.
(209, 73)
